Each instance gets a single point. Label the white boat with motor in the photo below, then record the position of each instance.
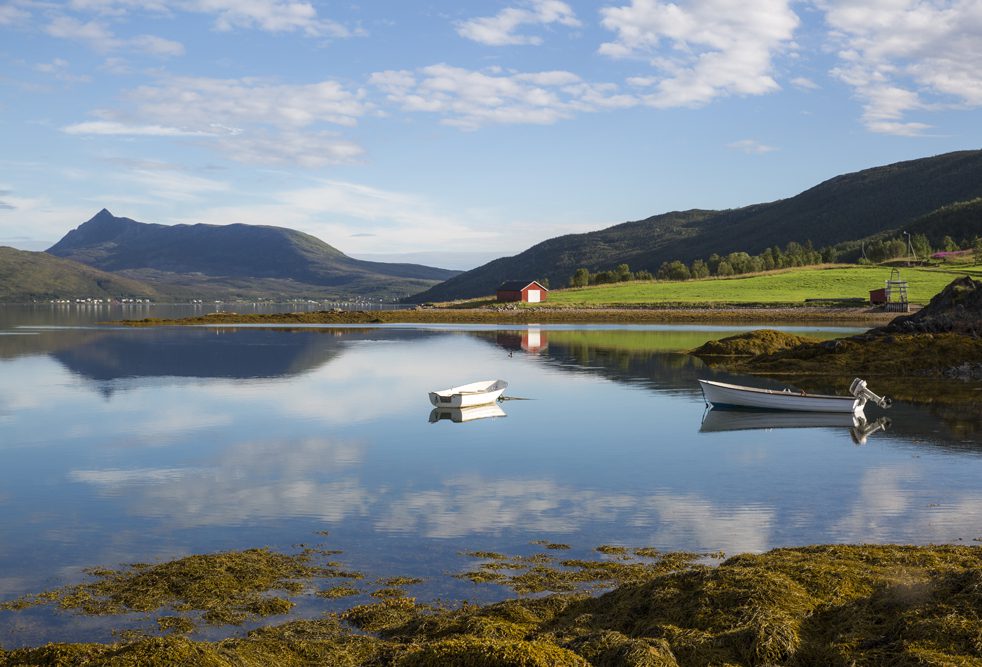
(734, 395)
(464, 396)
(461, 415)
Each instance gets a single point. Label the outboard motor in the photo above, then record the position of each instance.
(859, 390)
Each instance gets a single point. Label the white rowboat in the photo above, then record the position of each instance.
(464, 396)
(723, 394)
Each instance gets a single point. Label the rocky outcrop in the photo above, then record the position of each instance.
(955, 309)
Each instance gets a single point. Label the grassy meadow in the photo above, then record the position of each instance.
(789, 286)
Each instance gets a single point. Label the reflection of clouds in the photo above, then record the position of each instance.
(208, 500)
(886, 511)
(469, 505)
(472, 505)
(692, 520)
(253, 480)
(113, 477)
(881, 499)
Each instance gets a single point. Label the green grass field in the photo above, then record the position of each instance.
(790, 286)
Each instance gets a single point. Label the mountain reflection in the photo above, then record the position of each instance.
(105, 355)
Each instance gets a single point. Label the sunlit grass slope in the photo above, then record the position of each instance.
(779, 287)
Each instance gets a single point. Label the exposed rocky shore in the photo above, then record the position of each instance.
(821, 605)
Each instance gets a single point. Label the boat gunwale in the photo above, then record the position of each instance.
(777, 392)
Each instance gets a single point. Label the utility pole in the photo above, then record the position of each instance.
(910, 246)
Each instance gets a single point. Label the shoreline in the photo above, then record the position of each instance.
(539, 315)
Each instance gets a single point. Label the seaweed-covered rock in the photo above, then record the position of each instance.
(481, 652)
(752, 344)
(955, 309)
(147, 652)
(613, 649)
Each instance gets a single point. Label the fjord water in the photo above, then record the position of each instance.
(136, 445)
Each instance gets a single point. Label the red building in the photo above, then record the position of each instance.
(519, 290)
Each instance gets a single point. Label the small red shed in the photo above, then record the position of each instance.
(877, 297)
(522, 290)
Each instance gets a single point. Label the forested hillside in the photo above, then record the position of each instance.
(844, 208)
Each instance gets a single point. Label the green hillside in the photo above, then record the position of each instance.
(791, 286)
(236, 260)
(29, 276)
(847, 207)
(961, 221)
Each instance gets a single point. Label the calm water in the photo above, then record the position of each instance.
(133, 445)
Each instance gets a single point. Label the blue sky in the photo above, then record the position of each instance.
(452, 133)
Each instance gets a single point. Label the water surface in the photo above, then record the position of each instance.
(125, 445)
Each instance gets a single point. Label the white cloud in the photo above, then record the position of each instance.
(804, 83)
(172, 184)
(10, 15)
(751, 147)
(94, 33)
(60, 69)
(249, 120)
(101, 38)
(337, 209)
(37, 220)
(704, 49)
(470, 99)
(157, 46)
(204, 102)
(268, 15)
(500, 29)
(112, 128)
(902, 56)
(305, 149)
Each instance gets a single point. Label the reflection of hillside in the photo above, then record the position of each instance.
(24, 343)
(651, 358)
(208, 353)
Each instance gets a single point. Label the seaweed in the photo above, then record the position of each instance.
(228, 587)
(818, 605)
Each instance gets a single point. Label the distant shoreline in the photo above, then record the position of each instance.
(539, 315)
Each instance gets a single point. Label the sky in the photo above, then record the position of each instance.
(451, 133)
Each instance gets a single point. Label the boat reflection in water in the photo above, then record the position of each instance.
(459, 415)
(741, 419)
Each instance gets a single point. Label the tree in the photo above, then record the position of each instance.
(580, 279)
(949, 244)
(724, 269)
(699, 269)
(922, 247)
(713, 262)
(624, 273)
(674, 270)
(977, 249)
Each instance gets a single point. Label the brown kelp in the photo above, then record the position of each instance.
(828, 605)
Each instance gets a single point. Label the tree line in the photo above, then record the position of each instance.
(792, 255)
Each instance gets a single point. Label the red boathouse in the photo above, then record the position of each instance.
(520, 290)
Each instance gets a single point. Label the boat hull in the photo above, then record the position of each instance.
(461, 415)
(718, 419)
(465, 396)
(723, 394)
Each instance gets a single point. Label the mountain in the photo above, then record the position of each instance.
(29, 276)
(843, 208)
(236, 260)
